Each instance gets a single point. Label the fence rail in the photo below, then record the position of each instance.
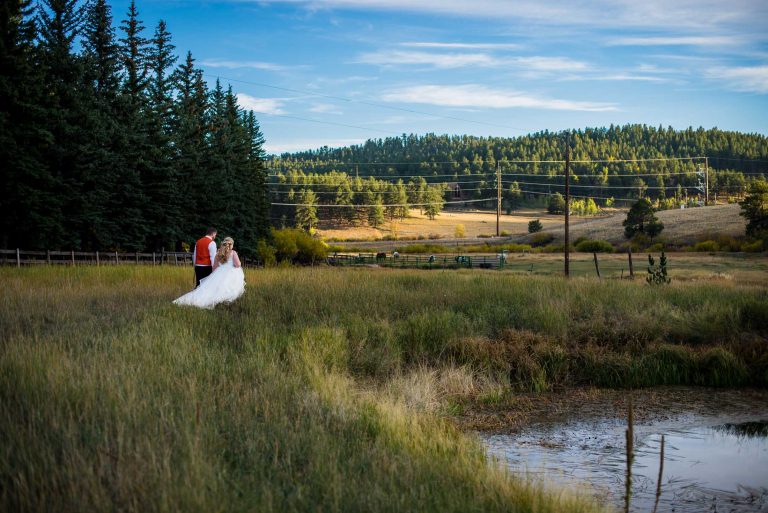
(418, 261)
(19, 257)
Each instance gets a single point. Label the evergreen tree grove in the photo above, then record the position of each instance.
(108, 145)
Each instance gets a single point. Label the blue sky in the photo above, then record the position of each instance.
(378, 68)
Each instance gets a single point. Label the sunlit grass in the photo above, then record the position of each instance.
(323, 389)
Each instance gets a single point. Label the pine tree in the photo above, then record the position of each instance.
(101, 152)
(515, 196)
(306, 212)
(190, 146)
(754, 208)
(164, 203)
(32, 216)
(556, 204)
(69, 122)
(259, 208)
(134, 54)
(133, 140)
(435, 201)
(641, 219)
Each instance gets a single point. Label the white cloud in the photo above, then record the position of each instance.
(549, 64)
(325, 108)
(463, 46)
(461, 60)
(617, 77)
(218, 63)
(261, 105)
(674, 15)
(753, 79)
(479, 96)
(717, 41)
(445, 60)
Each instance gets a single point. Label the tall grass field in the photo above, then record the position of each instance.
(325, 389)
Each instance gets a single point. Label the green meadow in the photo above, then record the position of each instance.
(326, 389)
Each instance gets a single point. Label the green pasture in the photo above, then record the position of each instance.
(325, 389)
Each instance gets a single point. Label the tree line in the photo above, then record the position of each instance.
(303, 199)
(735, 160)
(108, 142)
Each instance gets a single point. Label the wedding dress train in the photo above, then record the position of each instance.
(224, 285)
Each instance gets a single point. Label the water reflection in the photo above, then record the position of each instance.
(710, 464)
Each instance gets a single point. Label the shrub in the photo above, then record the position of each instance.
(657, 274)
(485, 236)
(541, 239)
(752, 247)
(311, 250)
(266, 254)
(423, 248)
(434, 236)
(707, 245)
(459, 232)
(285, 244)
(594, 246)
(505, 233)
(553, 248)
(297, 246)
(556, 204)
(535, 226)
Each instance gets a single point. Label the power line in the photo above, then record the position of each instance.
(397, 176)
(286, 184)
(602, 186)
(381, 205)
(734, 159)
(600, 175)
(380, 193)
(584, 197)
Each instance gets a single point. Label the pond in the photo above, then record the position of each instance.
(715, 445)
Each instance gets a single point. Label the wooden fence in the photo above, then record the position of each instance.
(19, 257)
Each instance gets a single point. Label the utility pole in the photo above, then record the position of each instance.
(706, 180)
(498, 197)
(567, 203)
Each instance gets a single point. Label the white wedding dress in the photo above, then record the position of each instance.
(224, 285)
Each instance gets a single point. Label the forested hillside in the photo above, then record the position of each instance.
(107, 142)
(626, 162)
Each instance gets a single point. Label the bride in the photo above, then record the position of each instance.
(225, 284)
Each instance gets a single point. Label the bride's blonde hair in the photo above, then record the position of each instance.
(222, 255)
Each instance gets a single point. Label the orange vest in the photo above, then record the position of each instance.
(203, 257)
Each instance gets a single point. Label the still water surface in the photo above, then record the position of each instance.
(714, 461)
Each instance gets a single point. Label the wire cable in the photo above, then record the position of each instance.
(382, 205)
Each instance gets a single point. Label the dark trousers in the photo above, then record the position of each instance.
(202, 271)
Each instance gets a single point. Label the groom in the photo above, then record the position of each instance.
(204, 255)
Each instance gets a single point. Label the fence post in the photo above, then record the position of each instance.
(97, 259)
(137, 258)
(48, 256)
(73, 258)
(162, 256)
(631, 269)
(117, 259)
(153, 258)
(597, 268)
(18, 258)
